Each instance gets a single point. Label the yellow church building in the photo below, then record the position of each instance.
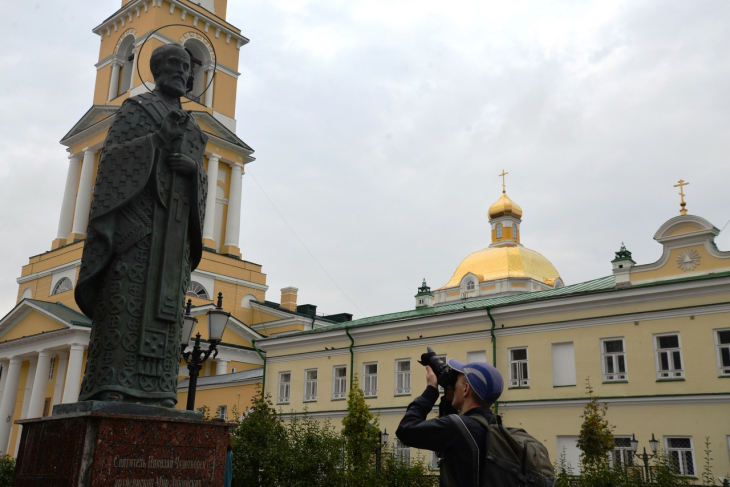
(653, 339)
(44, 339)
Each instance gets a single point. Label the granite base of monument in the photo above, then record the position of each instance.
(86, 445)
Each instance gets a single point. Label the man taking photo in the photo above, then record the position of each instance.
(478, 386)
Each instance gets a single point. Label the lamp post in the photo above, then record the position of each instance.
(653, 444)
(382, 441)
(217, 322)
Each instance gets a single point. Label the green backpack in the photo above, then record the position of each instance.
(514, 458)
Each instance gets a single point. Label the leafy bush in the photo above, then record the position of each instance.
(7, 470)
(303, 451)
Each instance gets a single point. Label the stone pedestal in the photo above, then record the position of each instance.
(88, 446)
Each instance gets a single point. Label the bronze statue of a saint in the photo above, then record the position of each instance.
(143, 240)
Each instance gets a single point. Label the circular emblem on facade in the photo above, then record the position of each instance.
(688, 259)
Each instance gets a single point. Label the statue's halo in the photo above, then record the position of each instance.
(215, 56)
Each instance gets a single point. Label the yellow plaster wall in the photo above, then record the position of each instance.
(235, 398)
(671, 269)
(33, 324)
(224, 95)
(685, 229)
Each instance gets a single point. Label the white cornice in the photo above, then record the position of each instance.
(414, 326)
(57, 340)
(510, 331)
(48, 272)
(232, 280)
(134, 8)
(694, 399)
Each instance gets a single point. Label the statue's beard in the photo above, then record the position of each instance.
(171, 86)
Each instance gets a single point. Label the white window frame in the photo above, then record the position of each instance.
(310, 385)
(280, 397)
(51, 367)
(722, 371)
(433, 461)
(221, 412)
(517, 382)
(470, 286)
(624, 454)
(402, 452)
(405, 376)
(498, 230)
(515, 231)
(336, 380)
(369, 379)
(671, 373)
(681, 455)
(615, 376)
(64, 284)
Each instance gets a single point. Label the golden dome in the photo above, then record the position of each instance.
(505, 207)
(504, 261)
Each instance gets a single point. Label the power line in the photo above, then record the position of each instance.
(248, 171)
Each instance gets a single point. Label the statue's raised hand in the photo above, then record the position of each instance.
(174, 124)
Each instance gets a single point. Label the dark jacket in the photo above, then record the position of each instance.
(442, 435)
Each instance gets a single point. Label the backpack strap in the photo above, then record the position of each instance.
(461, 426)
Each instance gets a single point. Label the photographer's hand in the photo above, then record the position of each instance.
(431, 379)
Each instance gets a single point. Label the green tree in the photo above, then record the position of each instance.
(708, 478)
(665, 472)
(360, 429)
(313, 454)
(7, 470)
(258, 441)
(596, 439)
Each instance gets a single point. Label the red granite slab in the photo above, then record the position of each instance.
(114, 450)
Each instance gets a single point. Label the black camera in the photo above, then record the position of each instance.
(445, 375)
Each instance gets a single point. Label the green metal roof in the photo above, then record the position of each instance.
(62, 312)
(603, 284)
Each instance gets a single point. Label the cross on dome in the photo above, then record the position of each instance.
(504, 187)
(682, 183)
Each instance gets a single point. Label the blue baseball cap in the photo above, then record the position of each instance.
(485, 379)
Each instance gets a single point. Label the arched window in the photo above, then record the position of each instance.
(200, 59)
(125, 54)
(62, 286)
(469, 285)
(197, 290)
(514, 231)
(499, 230)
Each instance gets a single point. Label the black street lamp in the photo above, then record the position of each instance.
(382, 441)
(217, 322)
(653, 444)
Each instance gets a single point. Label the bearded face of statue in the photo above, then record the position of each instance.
(171, 71)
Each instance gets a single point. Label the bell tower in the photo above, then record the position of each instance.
(127, 38)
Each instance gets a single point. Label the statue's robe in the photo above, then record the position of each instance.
(143, 240)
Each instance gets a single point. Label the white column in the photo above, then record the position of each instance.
(69, 197)
(209, 223)
(73, 375)
(221, 367)
(40, 385)
(7, 407)
(210, 81)
(233, 222)
(3, 379)
(114, 83)
(83, 200)
(60, 377)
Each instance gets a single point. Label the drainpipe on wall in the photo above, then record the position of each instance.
(494, 350)
(263, 382)
(352, 356)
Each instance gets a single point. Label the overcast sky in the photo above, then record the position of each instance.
(380, 128)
